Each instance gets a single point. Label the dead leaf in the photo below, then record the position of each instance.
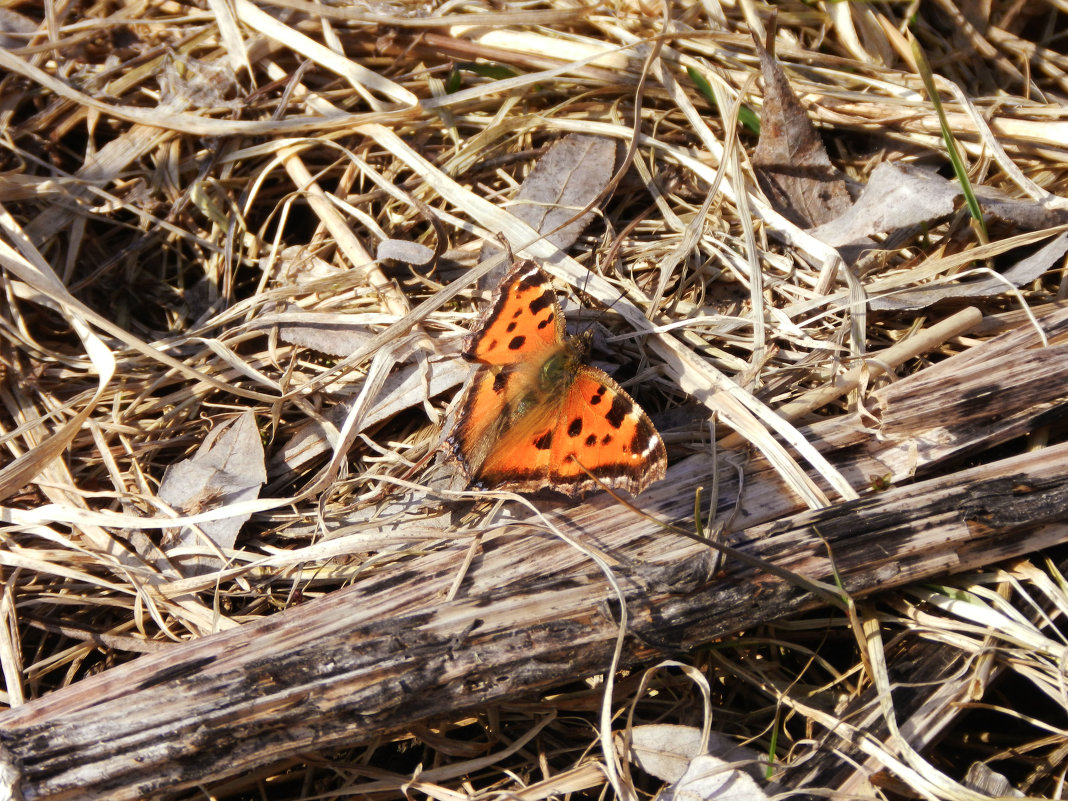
(564, 181)
(900, 196)
(1026, 213)
(676, 754)
(21, 26)
(571, 175)
(709, 777)
(326, 333)
(403, 251)
(666, 751)
(897, 196)
(296, 265)
(227, 468)
(993, 785)
(791, 164)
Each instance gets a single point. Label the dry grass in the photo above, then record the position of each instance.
(178, 181)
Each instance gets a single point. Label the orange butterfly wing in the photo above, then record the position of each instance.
(593, 430)
(522, 323)
(535, 415)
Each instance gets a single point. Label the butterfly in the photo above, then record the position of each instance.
(536, 416)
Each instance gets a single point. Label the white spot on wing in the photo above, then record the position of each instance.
(654, 441)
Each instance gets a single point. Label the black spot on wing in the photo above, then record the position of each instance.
(517, 342)
(542, 302)
(511, 326)
(591, 440)
(500, 381)
(621, 407)
(532, 280)
(546, 322)
(598, 395)
(645, 436)
(545, 441)
(574, 428)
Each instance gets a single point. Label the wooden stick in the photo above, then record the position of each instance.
(372, 659)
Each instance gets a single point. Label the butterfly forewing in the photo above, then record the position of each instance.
(523, 322)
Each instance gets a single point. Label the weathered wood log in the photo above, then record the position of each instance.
(534, 611)
(377, 657)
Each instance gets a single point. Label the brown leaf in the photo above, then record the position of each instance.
(227, 468)
(572, 174)
(565, 180)
(791, 164)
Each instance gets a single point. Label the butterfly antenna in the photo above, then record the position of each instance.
(619, 297)
(507, 248)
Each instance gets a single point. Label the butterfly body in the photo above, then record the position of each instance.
(536, 416)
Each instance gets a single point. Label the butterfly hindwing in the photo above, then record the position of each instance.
(484, 419)
(592, 424)
(520, 458)
(603, 430)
